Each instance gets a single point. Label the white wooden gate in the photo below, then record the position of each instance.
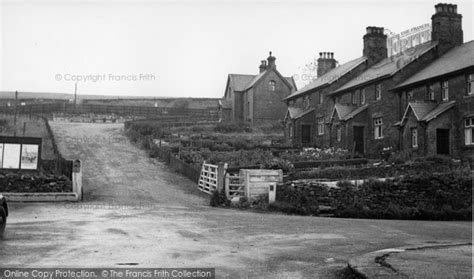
(208, 179)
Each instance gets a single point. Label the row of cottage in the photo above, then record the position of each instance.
(420, 100)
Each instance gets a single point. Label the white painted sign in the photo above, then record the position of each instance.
(398, 43)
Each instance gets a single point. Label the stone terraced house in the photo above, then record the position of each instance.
(439, 106)
(354, 106)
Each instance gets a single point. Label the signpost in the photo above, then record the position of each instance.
(20, 153)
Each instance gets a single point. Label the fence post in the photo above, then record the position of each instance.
(226, 185)
(77, 178)
(221, 170)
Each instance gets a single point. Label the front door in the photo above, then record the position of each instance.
(359, 139)
(305, 134)
(442, 141)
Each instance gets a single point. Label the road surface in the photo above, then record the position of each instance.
(138, 213)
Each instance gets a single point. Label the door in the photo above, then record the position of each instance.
(305, 134)
(359, 139)
(442, 141)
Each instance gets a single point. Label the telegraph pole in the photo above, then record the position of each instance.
(75, 97)
(16, 104)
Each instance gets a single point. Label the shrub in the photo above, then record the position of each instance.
(232, 127)
(219, 199)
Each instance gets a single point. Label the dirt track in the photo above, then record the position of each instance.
(136, 211)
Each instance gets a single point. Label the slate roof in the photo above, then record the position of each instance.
(295, 113)
(243, 82)
(388, 66)
(341, 111)
(329, 77)
(426, 111)
(355, 112)
(438, 111)
(420, 109)
(239, 82)
(456, 59)
(346, 112)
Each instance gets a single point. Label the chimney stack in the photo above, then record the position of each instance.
(446, 27)
(271, 61)
(326, 62)
(263, 66)
(375, 44)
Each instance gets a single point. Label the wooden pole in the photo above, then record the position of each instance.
(16, 104)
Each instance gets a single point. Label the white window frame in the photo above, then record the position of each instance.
(362, 97)
(378, 92)
(320, 126)
(272, 85)
(378, 128)
(469, 131)
(414, 137)
(354, 98)
(445, 90)
(339, 133)
(470, 84)
(321, 98)
(431, 92)
(410, 95)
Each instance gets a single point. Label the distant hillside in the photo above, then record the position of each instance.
(65, 96)
(45, 97)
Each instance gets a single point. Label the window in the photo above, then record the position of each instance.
(410, 95)
(362, 97)
(445, 91)
(470, 84)
(321, 126)
(307, 101)
(339, 133)
(414, 137)
(272, 85)
(431, 92)
(378, 92)
(378, 134)
(338, 99)
(469, 131)
(321, 98)
(290, 130)
(354, 98)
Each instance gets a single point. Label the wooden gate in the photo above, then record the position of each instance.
(234, 186)
(208, 179)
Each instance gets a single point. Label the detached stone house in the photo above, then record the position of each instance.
(439, 106)
(256, 98)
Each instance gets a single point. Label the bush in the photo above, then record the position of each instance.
(232, 127)
(219, 199)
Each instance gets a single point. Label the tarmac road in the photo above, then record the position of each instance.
(138, 213)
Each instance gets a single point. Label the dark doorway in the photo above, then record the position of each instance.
(359, 139)
(442, 141)
(305, 134)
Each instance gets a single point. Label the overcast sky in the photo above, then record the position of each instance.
(183, 48)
